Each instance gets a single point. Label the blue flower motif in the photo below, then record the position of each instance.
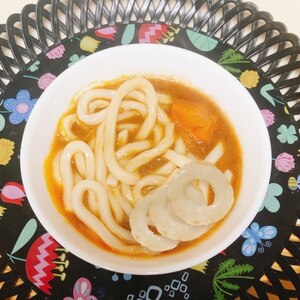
(287, 134)
(20, 107)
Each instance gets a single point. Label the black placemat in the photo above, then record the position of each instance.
(49, 270)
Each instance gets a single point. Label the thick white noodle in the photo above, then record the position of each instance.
(139, 228)
(83, 106)
(111, 181)
(189, 211)
(103, 206)
(166, 169)
(66, 168)
(56, 167)
(134, 105)
(180, 146)
(79, 160)
(215, 154)
(146, 181)
(131, 149)
(127, 193)
(167, 223)
(96, 225)
(228, 174)
(67, 123)
(110, 128)
(127, 208)
(150, 154)
(157, 134)
(101, 169)
(116, 207)
(122, 138)
(177, 158)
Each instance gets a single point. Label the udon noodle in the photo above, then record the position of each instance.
(130, 168)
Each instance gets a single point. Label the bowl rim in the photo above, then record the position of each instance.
(138, 269)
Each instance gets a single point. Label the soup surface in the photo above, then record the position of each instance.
(110, 160)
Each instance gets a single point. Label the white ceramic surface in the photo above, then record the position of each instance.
(185, 65)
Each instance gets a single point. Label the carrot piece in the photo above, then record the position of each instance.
(194, 118)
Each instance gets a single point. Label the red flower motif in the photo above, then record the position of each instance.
(151, 33)
(13, 193)
(45, 80)
(107, 33)
(284, 162)
(39, 262)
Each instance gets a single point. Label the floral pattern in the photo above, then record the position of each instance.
(249, 79)
(7, 150)
(268, 116)
(57, 52)
(287, 134)
(20, 107)
(285, 162)
(35, 252)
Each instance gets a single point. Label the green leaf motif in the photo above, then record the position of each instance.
(201, 41)
(2, 122)
(128, 34)
(219, 295)
(230, 56)
(238, 270)
(229, 286)
(225, 265)
(265, 90)
(25, 235)
(228, 270)
(233, 70)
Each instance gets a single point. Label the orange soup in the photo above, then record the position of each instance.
(199, 126)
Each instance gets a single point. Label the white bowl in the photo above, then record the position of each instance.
(228, 93)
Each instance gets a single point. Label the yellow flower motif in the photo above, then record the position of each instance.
(2, 210)
(249, 79)
(89, 44)
(6, 151)
(201, 267)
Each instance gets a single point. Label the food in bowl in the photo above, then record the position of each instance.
(159, 61)
(143, 165)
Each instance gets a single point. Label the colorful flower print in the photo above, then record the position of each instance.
(57, 52)
(45, 80)
(43, 263)
(249, 79)
(13, 193)
(268, 116)
(152, 33)
(74, 59)
(254, 236)
(285, 162)
(34, 67)
(2, 211)
(7, 150)
(82, 290)
(89, 44)
(287, 134)
(107, 32)
(20, 107)
(271, 203)
(225, 276)
(294, 183)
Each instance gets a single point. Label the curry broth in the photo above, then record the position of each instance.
(183, 96)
